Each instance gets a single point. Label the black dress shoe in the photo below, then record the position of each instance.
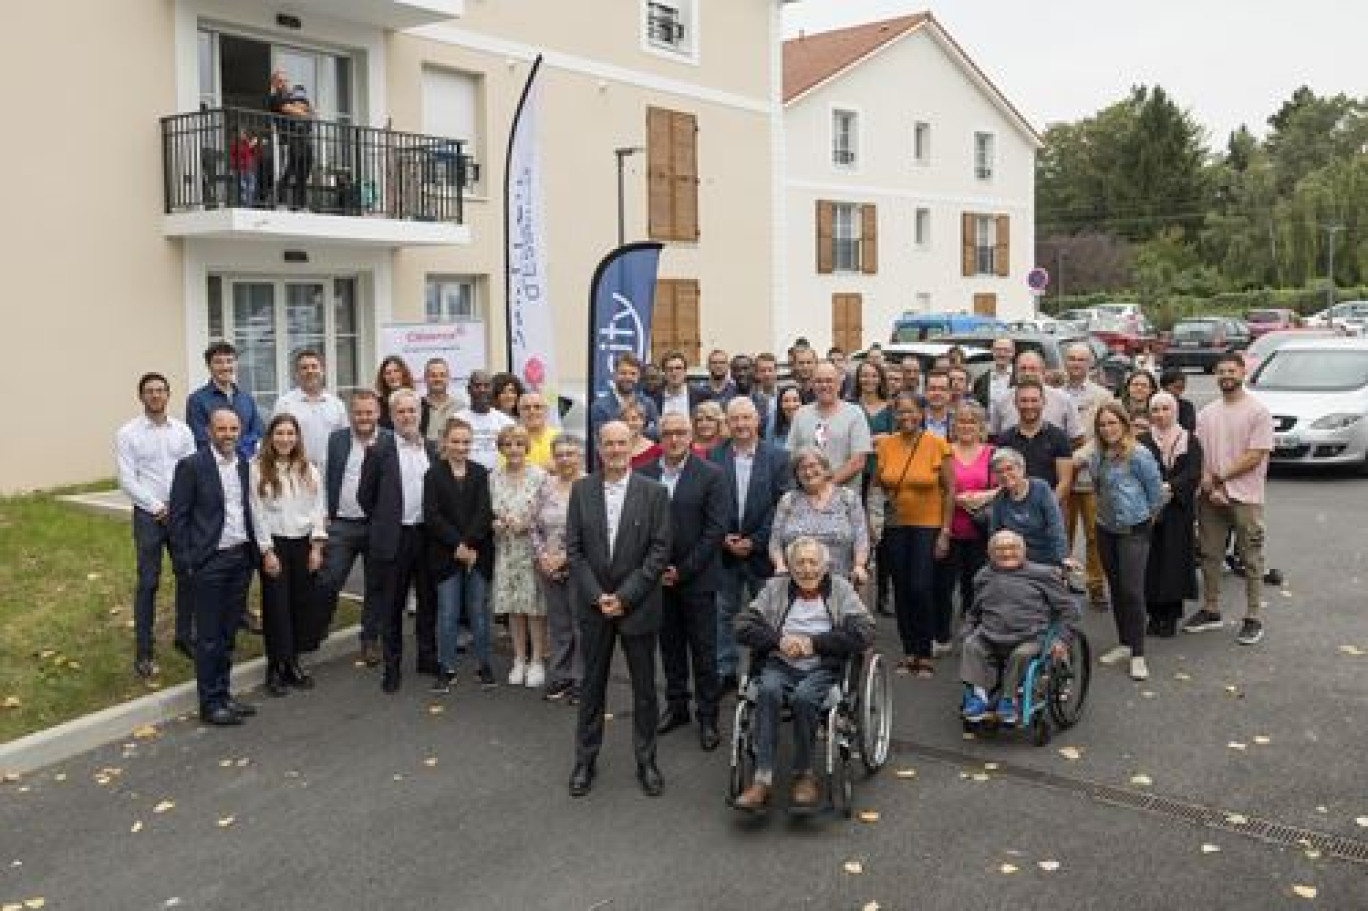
(652, 784)
(185, 648)
(673, 718)
(728, 683)
(221, 716)
(296, 676)
(275, 680)
(708, 738)
(428, 666)
(581, 779)
(389, 683)
(242, 709)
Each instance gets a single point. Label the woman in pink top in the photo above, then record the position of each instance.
(974, 488)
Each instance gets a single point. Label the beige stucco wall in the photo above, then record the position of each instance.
(92, 289)
(588, 110)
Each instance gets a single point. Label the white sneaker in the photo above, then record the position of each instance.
(1139, 669)
(518, 675)
(942, 649)
(1116, 655)
(536, 674)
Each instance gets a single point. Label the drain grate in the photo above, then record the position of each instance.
(1328, 844)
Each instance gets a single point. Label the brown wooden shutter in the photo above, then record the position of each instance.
(826, 253)
(1002, 259)
(688, 338)
(869, 240)
(847, 322)
(985, 304)
(660, 217)
(663, 319)
(684, 144)
(968, 260)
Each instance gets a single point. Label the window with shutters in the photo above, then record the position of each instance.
(672, 174)
(986, 244)
(670, 27)
(674, 321)
(983, 156)
(847, 322)
(847, 237)
(921, 143)
(845, 127)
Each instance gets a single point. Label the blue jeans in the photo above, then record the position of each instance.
(461, 592)
(806, 691)
(149, 540)
(737, 585)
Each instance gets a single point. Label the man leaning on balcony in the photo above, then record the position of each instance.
(291, 103)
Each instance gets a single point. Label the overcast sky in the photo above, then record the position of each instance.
(1228, 61)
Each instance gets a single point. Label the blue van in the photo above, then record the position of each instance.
(921, 327)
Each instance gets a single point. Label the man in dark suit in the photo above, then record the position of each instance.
(347, 526)
(210, 536)
(391, 493)
(617, 542)
(606, 407)
(689, 621)
(754, 476)
(678, 395)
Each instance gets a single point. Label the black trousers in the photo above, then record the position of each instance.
(289, 603)
(688, 634)
(347, 540)
(219, 593)
(294, 181)
(597, 636)
(912, 551)
(1124, 557)
(965, 558)
(408, 569)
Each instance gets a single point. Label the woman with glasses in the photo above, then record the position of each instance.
(565, 663)
(532, 415)
(822, 509)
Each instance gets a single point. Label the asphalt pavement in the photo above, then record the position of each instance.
(1233, 778)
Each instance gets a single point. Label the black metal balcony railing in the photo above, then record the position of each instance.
(227, 157)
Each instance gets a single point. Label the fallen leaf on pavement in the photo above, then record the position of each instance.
(1322, 809)
(226, 821)
(906, 773)
(436, 709)
(164, 806)
(430, 762)
(991, 766)
(1182, 675)
(969, 735)
(12, 906)
(1262, 739)
(243, 762)
(1049, 866)
(1236, 745)
(1148, 694)
(60, 776)
(1312, 854)
(1211, 849)
(1007, 869)
(1141, 780)
(145, 732)
(871, 906)
(1304, 891)
(1236, 819)
(1352, 650)
(854, 867)
(1362, 821)
(35, 903)
(136, 827)
(225, 763)
(979, 776)
(1070, 753)
(607, 716)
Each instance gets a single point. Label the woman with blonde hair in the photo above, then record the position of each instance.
(644, 449)
(289, 522)
(1129, 494)
(709, 427)
(549, 511)
(513, 490)
(540, 434)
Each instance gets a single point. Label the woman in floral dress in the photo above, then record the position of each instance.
(513, 488)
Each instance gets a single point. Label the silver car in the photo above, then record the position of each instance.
(1317, 391)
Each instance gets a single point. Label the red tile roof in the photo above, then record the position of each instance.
(812, 59)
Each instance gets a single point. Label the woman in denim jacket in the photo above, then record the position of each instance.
(1129, 494)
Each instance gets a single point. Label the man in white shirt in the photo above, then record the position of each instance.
(147, 449)
(484, 419)
(839, 429)
(1059, 407)
(317, 410)
(994, 384)
(677, 396)
(439, 405)
(937, 418)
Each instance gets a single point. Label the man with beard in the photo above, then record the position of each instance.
(718, 387)
(1044, 447)
(626, 375)
(484, 419)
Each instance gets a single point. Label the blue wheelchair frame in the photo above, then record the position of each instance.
(1043, 700)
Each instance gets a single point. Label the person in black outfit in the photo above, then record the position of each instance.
(291, 103)
(1171, 573)
(1044, 447)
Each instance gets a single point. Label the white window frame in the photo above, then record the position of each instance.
(921, 227)
(439, 281)
(686, 51)
(847, 219)
(985, 154)
(985, 244)
(921, 143)
(923, 302)
(845, 154)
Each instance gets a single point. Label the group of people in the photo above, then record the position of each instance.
(686, 531)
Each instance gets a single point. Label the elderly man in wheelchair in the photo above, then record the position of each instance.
(1020, 609)
(801, 631)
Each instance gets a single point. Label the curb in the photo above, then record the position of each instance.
(44, 748)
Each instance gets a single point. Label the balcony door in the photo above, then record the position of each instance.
(235, 72)
(268, 320)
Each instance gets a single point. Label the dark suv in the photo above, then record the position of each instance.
(1200, 340)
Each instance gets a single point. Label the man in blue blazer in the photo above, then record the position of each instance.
(755, 474)
(211, 540)
(606, 407)
(688, 632)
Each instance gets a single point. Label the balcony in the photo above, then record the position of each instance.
(231, 173)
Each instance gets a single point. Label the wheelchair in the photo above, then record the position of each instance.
(856, 719)
(1053, 690)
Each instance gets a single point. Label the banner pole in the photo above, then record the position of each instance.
(508, 212)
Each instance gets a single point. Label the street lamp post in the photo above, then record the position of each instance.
(1331, 230)
(1060, 255)
(622, 154)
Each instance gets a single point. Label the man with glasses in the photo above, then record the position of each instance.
(839, 429)
(994, 384)
(678, 395)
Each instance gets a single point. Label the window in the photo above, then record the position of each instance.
(674, 323)
(921, 143)
(672, 174)
(983, 156)
(268, 320)
(921, 229)
(671, 26)
(986, 244)
(985, 240)
(452, 105)
(844, 138)
(923, 302)
(450, 298)
(847, 237)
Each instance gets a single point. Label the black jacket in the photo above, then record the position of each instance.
(458, 511)
(698, 520)
(339, 450)
(196, 511)
(381, 495)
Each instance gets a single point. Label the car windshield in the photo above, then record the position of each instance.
(1314, 370)
(1195, 327)
(1267, 344)
(1264, 316)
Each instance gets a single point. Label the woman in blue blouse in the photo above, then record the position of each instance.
(1028, 507)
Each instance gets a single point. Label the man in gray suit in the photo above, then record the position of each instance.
(617, 542)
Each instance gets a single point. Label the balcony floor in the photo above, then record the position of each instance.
(276, 225)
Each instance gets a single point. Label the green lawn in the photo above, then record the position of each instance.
(66, 616)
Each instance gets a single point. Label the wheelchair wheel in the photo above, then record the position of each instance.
(839, 768)
(742, 752)
(1067, 688)
(875, 714)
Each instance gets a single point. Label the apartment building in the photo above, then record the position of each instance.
(909, 183)
(134, 235)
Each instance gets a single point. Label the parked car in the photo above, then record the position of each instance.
(1039, 324)
(1266, 344)
(1270, 320)
(1111, 366)
(1317, 391)
(1349, 316)
(1081, 319)
(922, 327)
(978, 358)
(1198, 341)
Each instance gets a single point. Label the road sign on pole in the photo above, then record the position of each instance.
(1038, 280)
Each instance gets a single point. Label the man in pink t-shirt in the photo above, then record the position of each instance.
(1236, 433)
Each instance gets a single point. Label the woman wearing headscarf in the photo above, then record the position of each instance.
(1171, 573)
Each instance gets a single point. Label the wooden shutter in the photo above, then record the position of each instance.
(663, 319)
(826, 252)
(847, 322)
(672, 174)
(869, 240)
(674, 323)
(985, 304)
(1002, 259)
(968, 259)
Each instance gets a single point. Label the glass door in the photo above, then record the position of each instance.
(252, 331)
